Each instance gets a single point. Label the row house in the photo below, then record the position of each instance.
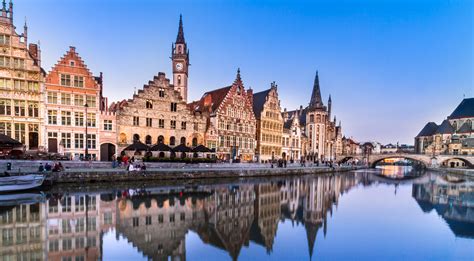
(266, 107)
(231, 119)
(75, 110)
(158, 114)
(292, 138)
(21, 78)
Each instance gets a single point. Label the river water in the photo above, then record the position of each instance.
(361, 215)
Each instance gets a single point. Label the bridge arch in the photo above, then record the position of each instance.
(373, 162)
(456, 162)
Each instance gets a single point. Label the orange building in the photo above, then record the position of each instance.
(73, 109)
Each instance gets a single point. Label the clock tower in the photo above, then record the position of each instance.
(180, 58)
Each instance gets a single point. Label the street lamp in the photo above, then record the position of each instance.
(86, 150)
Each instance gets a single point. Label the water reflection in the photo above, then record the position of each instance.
(229, 217)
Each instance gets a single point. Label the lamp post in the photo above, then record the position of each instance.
(86, 150)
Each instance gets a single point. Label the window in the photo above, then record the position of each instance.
(91, 120)
(149, 104)
(72, 63)
(5, 84)
(136, 121)
(52, 117)
(19, 85)
(5, 107)
(65, 80)
(53, 97)
(174, 106)
(90, 100)
(148, 220)
(148, 122)
(79, 100)
(66, 118)
(148, 139)
(78, 140)
(78, 81)
(91, 141)
(18, 63)
(65, 98)
(136, 221)
(79, 118)
(108, 125)
(311, 118)
(33, 86)
(33, 110)
(173, 124)
(183, 125)
(196, 126)
(172, 141)
(4, 39)
(182, 141)
(161, 123)
(4, 61)
(160, 218)
(161, 93)
(66, 140)
(136, 138)
(6, 128)
(20, 109)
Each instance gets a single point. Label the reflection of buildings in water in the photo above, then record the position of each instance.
(75, 224)
(267, 214)
(22, 230)
(453, 201)
(229, 215)
(157, 225)
(71, 227)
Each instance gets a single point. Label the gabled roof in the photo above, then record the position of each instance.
(445, 128)
(259, 100)
(301, 115)
(211, 100)
(465, 128)
(464, 110)
(429, 129)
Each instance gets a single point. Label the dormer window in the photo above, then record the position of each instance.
(149, 104)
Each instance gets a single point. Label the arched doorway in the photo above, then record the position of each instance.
(148, 140)
(183, 141)
(107, 150)
(161, 139)
(172, 141)
(136, 138)
(195, 142)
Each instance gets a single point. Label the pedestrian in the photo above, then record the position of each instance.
(41, 168)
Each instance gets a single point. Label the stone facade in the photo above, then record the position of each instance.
(292, 139)
(455, 135)
(21, 77)
(73, 103)
(266, 107)
(158, 114)
(321, 133)
(229, 111)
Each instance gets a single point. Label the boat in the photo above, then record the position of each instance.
(7, 200)
(24, 182)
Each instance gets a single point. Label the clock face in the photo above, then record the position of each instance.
(179, 66)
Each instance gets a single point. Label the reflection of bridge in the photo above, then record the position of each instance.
(427, 160)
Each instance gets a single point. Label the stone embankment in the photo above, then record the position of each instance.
(77, 171)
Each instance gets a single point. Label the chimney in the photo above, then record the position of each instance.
(250, 95)
(34, 51)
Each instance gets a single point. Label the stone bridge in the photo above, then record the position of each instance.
(427, 160)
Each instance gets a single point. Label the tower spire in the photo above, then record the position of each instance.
(316, 101)
(180, 36)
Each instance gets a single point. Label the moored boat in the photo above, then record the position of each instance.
(16, 183)
(22, 198)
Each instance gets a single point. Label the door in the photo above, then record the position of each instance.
(107, 150)
(33, 140)
(53, 145)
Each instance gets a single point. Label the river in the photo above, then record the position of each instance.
(364, 215)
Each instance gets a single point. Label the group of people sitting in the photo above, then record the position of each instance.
(57, 167)
(130, 164)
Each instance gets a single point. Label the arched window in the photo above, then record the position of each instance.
(161, 155)
(136, 138)
(195, 142)
(161, 139)
(180, 49)
(311, 118)
(123, 138)
(183, 141)
(149, 104)
(148, 139)
(172, 141)
(179, 80)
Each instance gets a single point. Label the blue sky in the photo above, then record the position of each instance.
(389, 65)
